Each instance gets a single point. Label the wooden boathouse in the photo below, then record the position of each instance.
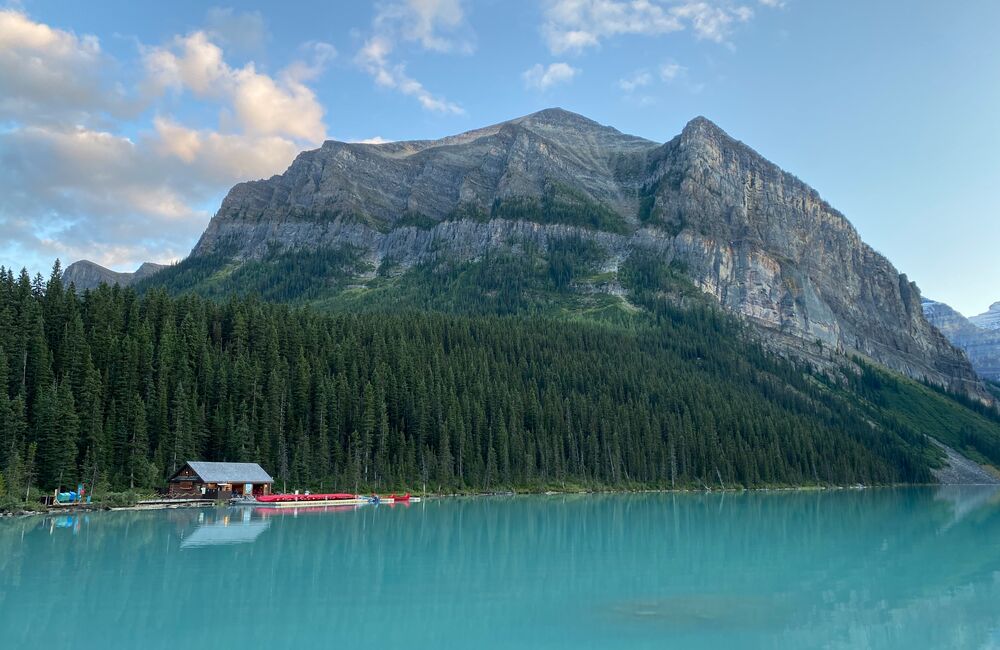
(201, 479)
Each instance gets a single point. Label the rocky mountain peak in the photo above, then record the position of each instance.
(754, 237)
(560, 117)
(701, 126)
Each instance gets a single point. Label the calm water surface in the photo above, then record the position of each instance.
(907, 568)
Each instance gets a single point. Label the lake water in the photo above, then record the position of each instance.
(883, 568)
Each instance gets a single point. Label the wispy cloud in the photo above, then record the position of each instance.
(636, 80)
(576, 25)
(671, 70)
(437, 25)
(542, 77)
(374, 57)
(638, 85)
(434, 25)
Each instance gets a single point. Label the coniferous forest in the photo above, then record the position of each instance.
(118, 389)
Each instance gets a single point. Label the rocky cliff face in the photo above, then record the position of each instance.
(759, 240)
(981, 344)
(88, 275)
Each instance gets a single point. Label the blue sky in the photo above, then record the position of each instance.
(122, 124)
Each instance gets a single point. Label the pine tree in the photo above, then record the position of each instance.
(138, 444)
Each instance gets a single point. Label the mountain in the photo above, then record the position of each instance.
(348, 222)
(980, 343)
(88, 275)
(543, 303)
(989, 319)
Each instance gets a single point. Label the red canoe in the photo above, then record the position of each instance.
(282, 498)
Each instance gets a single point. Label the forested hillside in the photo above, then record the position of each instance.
(121, 389)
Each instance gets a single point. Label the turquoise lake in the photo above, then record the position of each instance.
(881, 568)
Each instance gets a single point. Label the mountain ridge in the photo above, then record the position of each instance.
(759, 240)
(85, 274)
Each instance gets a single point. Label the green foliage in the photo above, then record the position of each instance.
(993, 387)
(280, 276)
(504, 281)
(416, 220)
(561, 204)
(483, 375)
(676, 397)
(124, 499)
(571, 257)
(470, 211)
(649, 278)
(955, 420)
(188, 274)
(646, 205)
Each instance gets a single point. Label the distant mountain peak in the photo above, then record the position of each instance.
(979, 340)
(989, 319)
(85, 274)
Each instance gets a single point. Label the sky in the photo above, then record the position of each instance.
(123, 124)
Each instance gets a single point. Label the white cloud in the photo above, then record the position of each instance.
(317, 55)
(265, 106)
(671, 70)
(376, 140)
(436, 25)
(542, 77)
(191, 61)
(636, 80)
(575, 25)
(83, 192)
(220, 158)
(262, 104)
(75, 186)
(374, 58)
(637, 86)
(710, 21)
(52, 75)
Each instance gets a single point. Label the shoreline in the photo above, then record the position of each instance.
(165, 504)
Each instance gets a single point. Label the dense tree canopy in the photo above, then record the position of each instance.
(124, 388)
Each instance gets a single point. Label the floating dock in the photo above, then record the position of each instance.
(324, 500)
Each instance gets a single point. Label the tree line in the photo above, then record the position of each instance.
(116, 388)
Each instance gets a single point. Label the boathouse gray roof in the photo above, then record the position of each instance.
(228, 472)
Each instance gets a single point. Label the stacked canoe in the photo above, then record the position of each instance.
(333, 499)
